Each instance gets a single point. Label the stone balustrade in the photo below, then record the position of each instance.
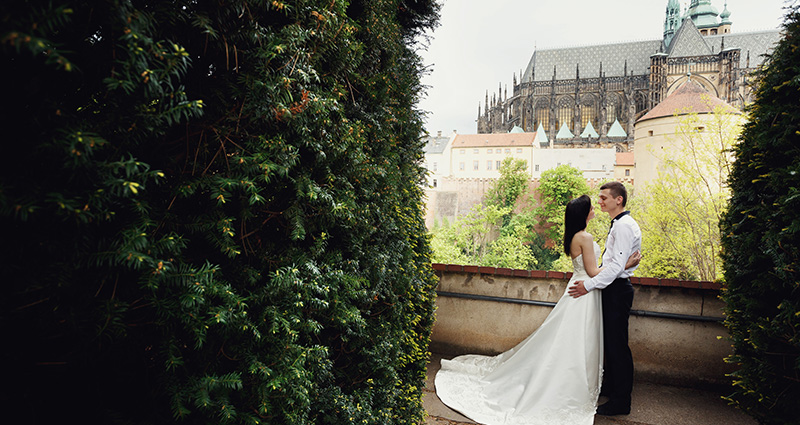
(676, 331)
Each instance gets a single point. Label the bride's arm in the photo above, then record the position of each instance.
(587, 249)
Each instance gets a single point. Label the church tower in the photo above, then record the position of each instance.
(704, 16)
(672, 21)
(725, 25)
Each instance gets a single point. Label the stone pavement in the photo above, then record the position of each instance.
(653, 404)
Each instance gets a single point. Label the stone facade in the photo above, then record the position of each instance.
(603, 84)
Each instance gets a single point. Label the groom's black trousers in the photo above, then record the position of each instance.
(618, 371)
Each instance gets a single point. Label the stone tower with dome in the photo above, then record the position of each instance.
(591, 96)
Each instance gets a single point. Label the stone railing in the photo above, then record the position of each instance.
(676, 331)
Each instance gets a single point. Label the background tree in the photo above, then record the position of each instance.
(507, 190)
(556, 187)
(491, 234)
(679, 212)
(760, 241)
(211, 212)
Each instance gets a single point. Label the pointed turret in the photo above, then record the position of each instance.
(672, 21)
(564, 133)
(589, 131)
(725, 24)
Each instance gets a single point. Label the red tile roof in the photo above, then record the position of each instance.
(494, 139)
(625, 158)
(691, 97)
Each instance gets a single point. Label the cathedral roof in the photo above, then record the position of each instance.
(688, 42)
(487, 140)
(755, 44)
(636, 54)
(691, 97)
(589, 58)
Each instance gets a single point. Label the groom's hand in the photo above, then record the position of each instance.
(578, 290)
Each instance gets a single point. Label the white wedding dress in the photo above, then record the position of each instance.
(552, 377)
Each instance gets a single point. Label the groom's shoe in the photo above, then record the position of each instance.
(611, 408)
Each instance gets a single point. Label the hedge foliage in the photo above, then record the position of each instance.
(761, 241)
(211, 211)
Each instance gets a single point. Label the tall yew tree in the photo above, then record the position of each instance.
(761, 241)
(211, 212)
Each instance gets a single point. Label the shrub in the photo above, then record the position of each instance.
(211, 212)
(760, 234)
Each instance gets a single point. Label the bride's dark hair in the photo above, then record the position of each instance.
(575, 218)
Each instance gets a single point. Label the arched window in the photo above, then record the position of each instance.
(564, 112)
(542, 115)
(641, 103)
(589, 110)
(613, 108)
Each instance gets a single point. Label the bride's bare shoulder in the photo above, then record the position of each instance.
(583, 236)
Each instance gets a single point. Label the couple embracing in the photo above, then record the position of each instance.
(556, 375)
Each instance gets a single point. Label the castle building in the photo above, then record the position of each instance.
(591, 96)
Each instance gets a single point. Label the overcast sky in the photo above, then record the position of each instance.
(481, 44)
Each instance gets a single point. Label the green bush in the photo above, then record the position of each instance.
(211, 212)
(761, 242)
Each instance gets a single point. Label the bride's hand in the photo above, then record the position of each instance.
(633, 260)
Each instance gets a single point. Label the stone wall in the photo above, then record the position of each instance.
(674, 327)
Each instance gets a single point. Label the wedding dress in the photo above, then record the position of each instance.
(552, 377)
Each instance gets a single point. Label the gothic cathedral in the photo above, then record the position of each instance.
(591, 96)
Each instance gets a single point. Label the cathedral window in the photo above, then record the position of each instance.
(612, 109)
(641, 103)
(564, 112)
(542, 114)
(589, 111)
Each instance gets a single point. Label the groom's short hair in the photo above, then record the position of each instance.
(616, 189)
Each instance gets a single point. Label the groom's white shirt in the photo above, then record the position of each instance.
(624, 239)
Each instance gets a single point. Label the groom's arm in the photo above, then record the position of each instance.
(614, 262)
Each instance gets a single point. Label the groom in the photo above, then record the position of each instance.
(624, 238)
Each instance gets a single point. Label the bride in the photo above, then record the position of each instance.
(553, 376)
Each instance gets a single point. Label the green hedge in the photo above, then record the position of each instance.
(761, 242)
(211, 212)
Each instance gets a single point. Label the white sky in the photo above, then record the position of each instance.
(480, 44)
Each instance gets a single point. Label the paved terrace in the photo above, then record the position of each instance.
(652, 404)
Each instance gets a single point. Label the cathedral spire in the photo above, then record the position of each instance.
(672, 21)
